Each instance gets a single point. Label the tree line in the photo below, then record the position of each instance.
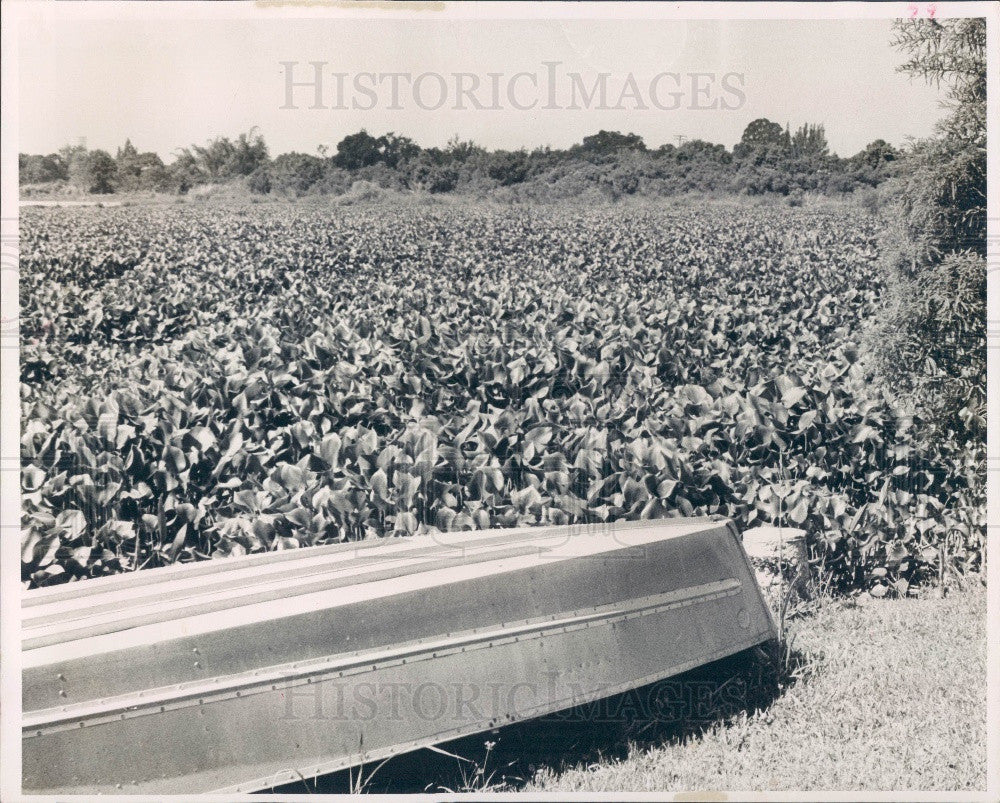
(770, 158)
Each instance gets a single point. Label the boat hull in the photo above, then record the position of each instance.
(267, 670)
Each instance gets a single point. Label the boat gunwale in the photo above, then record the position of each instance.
(163, 574)
(199, 601)
(89, 623)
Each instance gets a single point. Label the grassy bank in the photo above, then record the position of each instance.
(884, 695)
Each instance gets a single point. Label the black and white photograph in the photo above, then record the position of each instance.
(549, 400)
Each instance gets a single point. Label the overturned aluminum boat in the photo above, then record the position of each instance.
(243, 674)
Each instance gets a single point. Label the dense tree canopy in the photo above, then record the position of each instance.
(762, 134)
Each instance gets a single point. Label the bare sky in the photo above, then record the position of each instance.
(170, 84)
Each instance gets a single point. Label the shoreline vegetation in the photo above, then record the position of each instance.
(610, 165)
(235, 194)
